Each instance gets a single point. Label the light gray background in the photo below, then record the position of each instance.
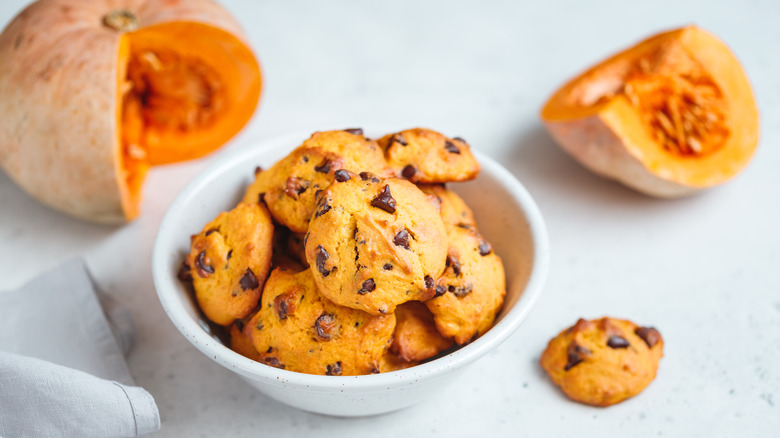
(704, 270)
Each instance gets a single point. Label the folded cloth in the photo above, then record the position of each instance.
(62, 371)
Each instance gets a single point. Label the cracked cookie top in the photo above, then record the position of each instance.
(375, 243)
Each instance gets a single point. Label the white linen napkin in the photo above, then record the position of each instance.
(62, 370)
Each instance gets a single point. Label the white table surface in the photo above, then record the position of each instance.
(704, 270)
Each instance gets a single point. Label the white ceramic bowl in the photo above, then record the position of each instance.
(506, 215)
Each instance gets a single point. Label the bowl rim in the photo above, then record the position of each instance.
(164, 283)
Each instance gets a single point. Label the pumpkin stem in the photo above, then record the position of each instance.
(121, 20)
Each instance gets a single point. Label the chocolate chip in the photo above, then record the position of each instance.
(305, 158)
(322, 257)
(185, 272)
(374, 370)
(387, 267)
(259, 325)
(462, 291)
(429, 282)
(368, 175)
(325, 326)
(453, 263)
(408, 171)
(399, 139)
(356, 131)
(460, 139)
(322, 207)
(368, 286)
(384, 200)
(230, 254)
(258, 170)
(615, 341)
(261, 198)
(402, 239)
(274, 362)
(200, 265)
(451, 148)
(341, 175)
(270, 350)
(484, 248)
(323, 167)
(576, 354)
(334, 370)
(249, 281)
(466, 226)
(295, 187)
(649, 335)
(211, 231)
(284, 305)
(440, 290)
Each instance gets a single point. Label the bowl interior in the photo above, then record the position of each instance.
(505, 213)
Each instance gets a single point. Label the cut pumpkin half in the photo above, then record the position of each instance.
(94, 95)
(670, 116)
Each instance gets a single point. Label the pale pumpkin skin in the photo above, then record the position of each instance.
(59, 99)
(610, 140)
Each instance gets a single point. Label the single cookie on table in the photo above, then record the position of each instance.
(298, 329)
(454, 210)
(376, 243)
(229, 261)
(603, 361)
(471, 291)
(290, 186)
(426, 156)
(416, 337)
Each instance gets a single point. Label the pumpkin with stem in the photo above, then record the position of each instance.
(95, 92)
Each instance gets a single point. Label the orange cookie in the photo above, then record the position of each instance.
(471, 291)
(454, 210)
(391, 362)
(300, 330)
(416, 337)
(376, 243)
(229, 261)
(240, 342)
(425, 156)
(603, 361)
(289, 187)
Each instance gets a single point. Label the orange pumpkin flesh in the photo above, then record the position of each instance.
(670, 116)
(91, 96)
(179, 102)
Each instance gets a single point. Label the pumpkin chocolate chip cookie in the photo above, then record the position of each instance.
(298, 329)
(425, 156)
(229, 261)
(416, 337)
(376, 243)
(454, 210)
(471, 291)
(603, 361)
(290, 186)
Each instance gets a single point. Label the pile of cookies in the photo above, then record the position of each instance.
(350, 256)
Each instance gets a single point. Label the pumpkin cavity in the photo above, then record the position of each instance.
(682, 107)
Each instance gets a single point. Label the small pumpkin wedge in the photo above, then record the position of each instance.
(95, 92)
(670, 116)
